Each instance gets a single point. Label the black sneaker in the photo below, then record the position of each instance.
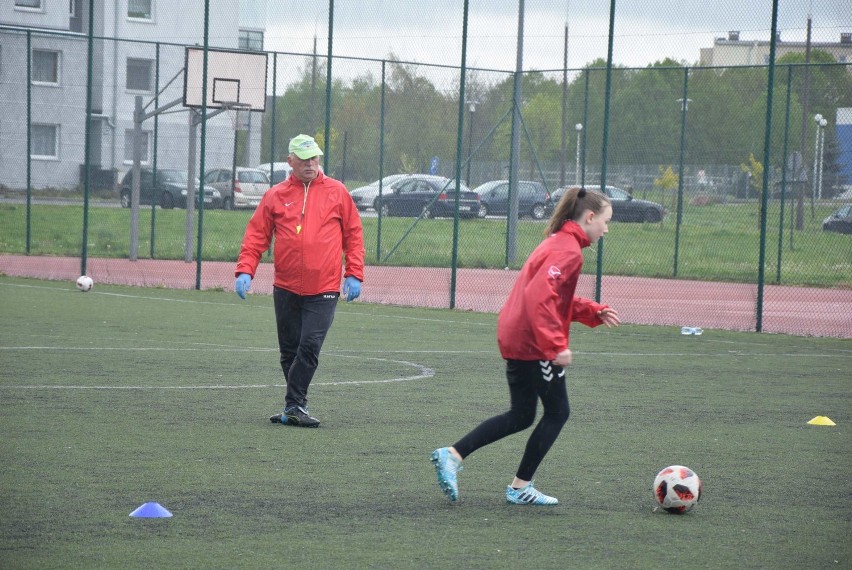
(298, 416)
(278, 418)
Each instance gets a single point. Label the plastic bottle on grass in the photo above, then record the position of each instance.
(691, 331)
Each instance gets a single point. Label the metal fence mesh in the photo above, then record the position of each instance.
(687, 137)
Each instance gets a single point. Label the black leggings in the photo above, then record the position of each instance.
(528, 381)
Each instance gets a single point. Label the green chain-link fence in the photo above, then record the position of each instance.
(684, 139)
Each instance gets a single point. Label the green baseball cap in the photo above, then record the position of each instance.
(304, 147)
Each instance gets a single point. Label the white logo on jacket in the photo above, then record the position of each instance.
(554, 272)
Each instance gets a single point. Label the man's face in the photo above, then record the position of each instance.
(304, 169)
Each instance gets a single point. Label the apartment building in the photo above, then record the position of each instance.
(138, 50)
(732, 50)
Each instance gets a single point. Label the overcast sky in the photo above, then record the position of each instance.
(646, 31)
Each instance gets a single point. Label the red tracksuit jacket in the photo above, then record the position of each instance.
(534, 324)
(309, 246)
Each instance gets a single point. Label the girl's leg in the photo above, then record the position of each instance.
(554, 398)
(523, 397)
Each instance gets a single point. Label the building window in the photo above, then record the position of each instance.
(44, 141)
(128, 146)
(139, 73)
(32, 4)
(72, 8)
(140, 9)
(45, 67)
(251, 40)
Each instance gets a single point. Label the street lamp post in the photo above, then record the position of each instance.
(471, 106)
(822, 124)
(579, 128)
(818, 148)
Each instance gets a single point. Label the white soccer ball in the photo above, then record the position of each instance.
(85, 283)
(677, 489)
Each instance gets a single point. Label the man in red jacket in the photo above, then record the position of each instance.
(316, 226)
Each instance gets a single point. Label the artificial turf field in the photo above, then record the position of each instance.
(122, 396)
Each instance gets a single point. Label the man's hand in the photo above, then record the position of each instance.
(242, 285)
(351, 288)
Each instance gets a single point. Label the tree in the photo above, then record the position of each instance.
(667, 182)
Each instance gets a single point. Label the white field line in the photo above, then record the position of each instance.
(423, 372)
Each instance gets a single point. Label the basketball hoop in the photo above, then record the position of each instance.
(239, 113)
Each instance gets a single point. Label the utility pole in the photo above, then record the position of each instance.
(800, 202)
(564, 148)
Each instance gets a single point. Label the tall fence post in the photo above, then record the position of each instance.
(604, 147)
(515, 152)
(272, 127)
(29, 139)
(88, 138)
(155, 145)
(767, 154)
(200, 192)
(784, 173)
(459, 141)
(327, 150)
(381, 164)
(684, 107)
(585, 129)
(134, 196)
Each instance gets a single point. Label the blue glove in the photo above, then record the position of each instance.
(351, 288)
(242, 285)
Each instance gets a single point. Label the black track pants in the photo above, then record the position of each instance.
(529, 381)
(302, 323)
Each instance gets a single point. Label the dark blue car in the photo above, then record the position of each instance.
(422, 195)
(533, 199)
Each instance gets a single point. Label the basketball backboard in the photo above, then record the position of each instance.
(233, 77)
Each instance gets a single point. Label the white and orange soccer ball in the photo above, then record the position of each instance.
(85, 283)
(677, 489)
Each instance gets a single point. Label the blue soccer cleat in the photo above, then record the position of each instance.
(447, 466)
(528, 495)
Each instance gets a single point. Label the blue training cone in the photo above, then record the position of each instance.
(151, 510)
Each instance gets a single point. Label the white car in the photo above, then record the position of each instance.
(365, 196)
(276, 171)
(250, 186)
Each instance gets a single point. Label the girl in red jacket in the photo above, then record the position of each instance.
(532, 333)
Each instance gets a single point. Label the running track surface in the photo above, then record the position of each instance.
(639, 300)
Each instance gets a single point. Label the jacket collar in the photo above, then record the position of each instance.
(573, 228)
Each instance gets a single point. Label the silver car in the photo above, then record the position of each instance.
(365, 197)
(250, 186)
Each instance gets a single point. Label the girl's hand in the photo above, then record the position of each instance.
(609, 317)
(563, 358)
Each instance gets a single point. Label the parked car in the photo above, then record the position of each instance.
(845, 195)
(168, 191)
(276, 171)
(428, 196)
(840, 221)
(246, 192)
(625, 208)
(365, 196)
(533, 199)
